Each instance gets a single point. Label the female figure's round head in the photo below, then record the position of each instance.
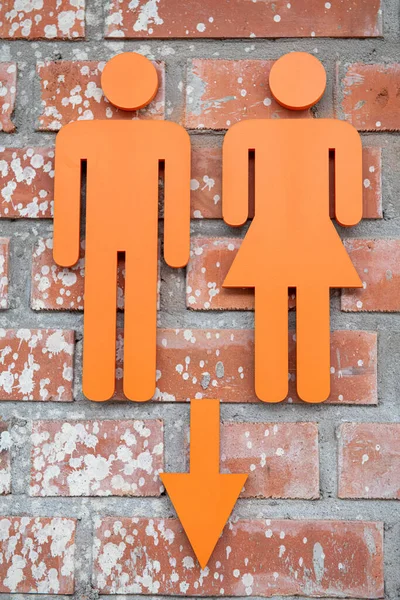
(129, 81)
(297, 80)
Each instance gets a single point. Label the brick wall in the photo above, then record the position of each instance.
(82, 509)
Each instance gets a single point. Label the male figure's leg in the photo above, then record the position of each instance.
(313, 343)
(99, 332)
(271, 343)
(140, 324)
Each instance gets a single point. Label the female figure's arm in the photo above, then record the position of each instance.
(348, 174)
(235, 175)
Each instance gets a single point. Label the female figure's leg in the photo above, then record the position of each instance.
(271, 343)
(313, 343)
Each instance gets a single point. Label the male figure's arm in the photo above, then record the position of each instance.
(67, 195)
(177, 198)
(235, 174)
(348, 174)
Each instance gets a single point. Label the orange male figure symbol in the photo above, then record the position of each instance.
(123, 164)
(292, 241)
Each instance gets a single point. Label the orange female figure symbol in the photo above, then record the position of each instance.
(123, 163)
(292, 241)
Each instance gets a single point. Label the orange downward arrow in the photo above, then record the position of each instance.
(204, 497)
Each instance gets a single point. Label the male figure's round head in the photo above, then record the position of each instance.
(129, 81)
(297, 80)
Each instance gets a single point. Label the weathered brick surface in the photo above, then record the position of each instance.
(37, 555)
(210, 261)
(71, 92)
(57, 288)
(378, 264)
(4, 276)
(206, 183)
(369, 460)
(8, 91)
(36, 364)
(369, 96)
(54, 19)
(253, 558)
(280, 458)
(5, 465)
(26, 182)
(372, 182)
(238, 19)
(52, 286)
(220, 93)
(195, 363)
(97, 458)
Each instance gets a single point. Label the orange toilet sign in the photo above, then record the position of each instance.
(292, 242)
(123, 166)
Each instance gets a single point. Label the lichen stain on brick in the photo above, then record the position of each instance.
(8, 93)
(42, 19)
(26, 182)
(71, 92)
(37, 555)
(253, 558)
(36, 364)
(97, 458)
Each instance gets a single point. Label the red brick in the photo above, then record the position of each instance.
(206, 183)
(372, 182)
(53, 287)
(210, 261)
(238, 19)
(37, 555)
(36, 364)
(280, 458)
(253, 558)
(220, 93)
(378, 264)
(5, 465)
(97, 458)
(4, 255)
(369, 460)
(26, 182)
(8, 92)
(58, 288)
(56, 19)
(196, 363)
(369, 96)
(71, 92)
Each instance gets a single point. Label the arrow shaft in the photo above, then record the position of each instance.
(204, 436)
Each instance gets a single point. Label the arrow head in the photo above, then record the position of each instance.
(203, 504)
